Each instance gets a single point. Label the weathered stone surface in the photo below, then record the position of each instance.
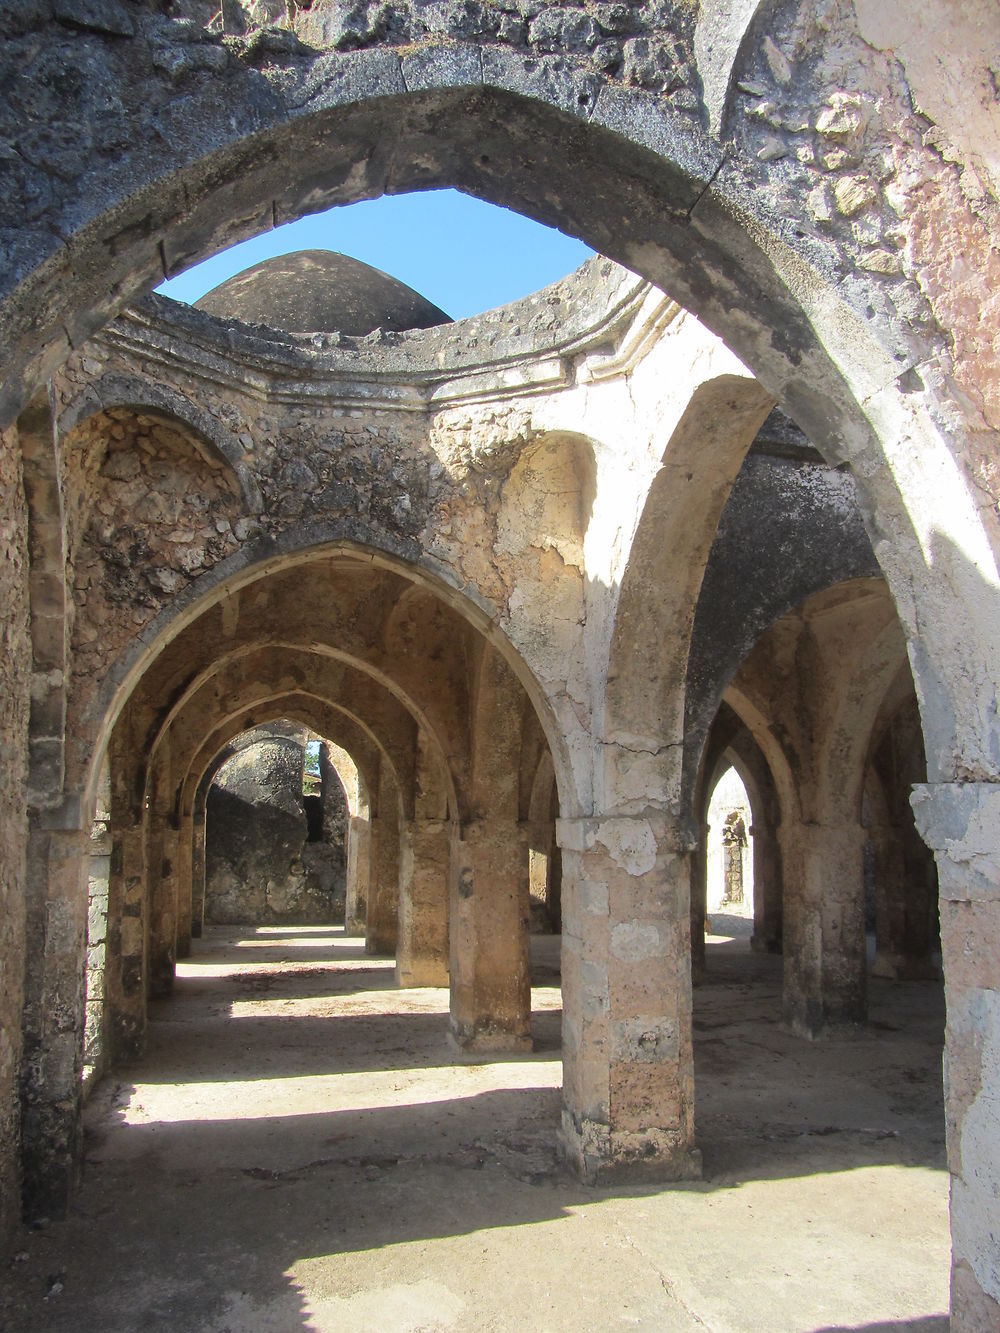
(15, 665)
(264, 863)
(538, 487)
(317, 291)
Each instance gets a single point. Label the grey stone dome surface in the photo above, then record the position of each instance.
(320, 291)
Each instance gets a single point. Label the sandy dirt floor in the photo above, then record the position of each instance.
(299, 1150)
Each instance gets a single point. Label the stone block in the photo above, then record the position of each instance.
(644, 1096)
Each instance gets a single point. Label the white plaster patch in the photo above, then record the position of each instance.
(631, 844)
(632, 941)
(962, 821)
(640, 775)
(646, 1039)
(594, 986)
(592, 896)
(975, 1194)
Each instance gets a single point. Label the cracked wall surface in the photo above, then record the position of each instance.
(814, 179)
(15, 666)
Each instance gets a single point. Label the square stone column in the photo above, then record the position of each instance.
(422, 944)
(381, 921)
(768, 894)
(198, 874)
(99, 878)
(184, 879)
(904, 909)
(125, 964)
(960, 822)
(161, 889)
(54, 1007)
(699, 904)
(825, 963)
(490, 949)
(359, 832)
(628, 1068)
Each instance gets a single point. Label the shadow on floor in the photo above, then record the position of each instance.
(201, 1213)
(932, 1324)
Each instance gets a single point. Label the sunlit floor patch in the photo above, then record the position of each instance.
(300, 1149)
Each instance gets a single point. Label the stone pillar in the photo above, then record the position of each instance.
(490, 944)
(98, 883)
(825, 965)
(161, 881)
(183, 872)
(554, 885)
(699, 905)
(422, 945)
(125, 966)
(538, 834)
(628, 1069)
(961, 823)
(198, 872)
(383, 886)
(359, 831)
(904, 908)
(53, 1022)
(767, 889)
(545, 870)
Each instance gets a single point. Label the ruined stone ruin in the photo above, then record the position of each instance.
(728, 496)
(274, 841)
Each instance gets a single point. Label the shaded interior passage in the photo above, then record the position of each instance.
(295, 1114)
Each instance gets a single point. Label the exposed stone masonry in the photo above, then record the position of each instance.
(15, 668)
(264, 861)
(509, 529)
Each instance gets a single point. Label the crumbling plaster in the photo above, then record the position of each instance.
(265, 861)
(606, 413)
(836, 239)
(15, 668)
(830, 340)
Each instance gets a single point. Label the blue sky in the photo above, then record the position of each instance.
(464, 255)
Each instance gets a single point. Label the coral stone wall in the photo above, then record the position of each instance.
(261, 864)
(15, 668)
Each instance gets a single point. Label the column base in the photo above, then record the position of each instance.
(814, 1023)
(600, 1155)
(52, 1161)
(355, 925)
(489, 1042)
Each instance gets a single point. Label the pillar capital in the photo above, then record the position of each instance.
(632, 840)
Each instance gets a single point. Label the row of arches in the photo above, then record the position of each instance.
(476, 758)
(873, 352)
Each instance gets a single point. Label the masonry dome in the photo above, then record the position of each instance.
(319, 291)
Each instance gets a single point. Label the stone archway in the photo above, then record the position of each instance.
(850, 334)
